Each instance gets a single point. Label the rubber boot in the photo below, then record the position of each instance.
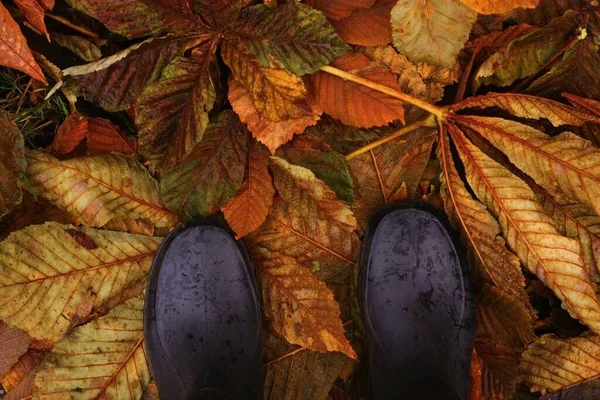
(202, 318)
(417, 305)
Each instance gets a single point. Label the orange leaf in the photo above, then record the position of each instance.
(499, 7)
(18, 382)
(34, 11)
(367, 26)
(248, 209)
(14, 52)
(354, 104)
(103, 137)
(301, 307)
(71, 133)
(270, 133)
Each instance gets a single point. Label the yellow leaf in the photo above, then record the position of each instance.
(301, 307)
(553, 363)
(311, 196)
(102, 359)
(433, 31)
(98, 189)
(53, 275)
(529, 232)
(248, 209)
(493, 262)
(566, 162)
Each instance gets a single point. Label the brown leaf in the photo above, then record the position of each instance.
(381, 172)
(19, 380)
(547, 10)
(88, 49)
(310, 195)
(248, 209)
(367, 26)
(499, 7)
(12, 163)
(301, 307)
(272, 134)
(140, 226)
(14, 52)
(354, 104)
(296, 372)
(486, 45)
(529, 232)
(499, 369)
(103, 137)
(13, 344)
(328, 249)
(83, 239)
(34, 11)
(338, 9)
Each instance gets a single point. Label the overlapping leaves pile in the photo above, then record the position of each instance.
(246, 111)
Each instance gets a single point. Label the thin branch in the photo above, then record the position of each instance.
(77, 28)
(435, 110)
(427, 121)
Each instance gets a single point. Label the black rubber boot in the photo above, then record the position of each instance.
(416, 304)
(202, 317)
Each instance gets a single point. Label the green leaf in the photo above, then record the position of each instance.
(172, 113)
(295, 35)
(213, 171)
(115, 83)
(328, 165)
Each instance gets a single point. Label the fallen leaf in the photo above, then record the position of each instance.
(296, 372)
(301, 307)
(310, 195)
(352, 103)
(12, 164)
(102, 137)
(116, 341)
(14, 52)
(433, 31)
(367, 26)
(71, 133)
(18, 382)
(247, 210)
(552, 363)
(44, 295)
(338, 9)
(14, 343)
(98, 189)
(498, 7)
(328, 249)
(172, 113)
(272, 134)
(34, 11)
(212, 173)
(87, 49)
(530, 233)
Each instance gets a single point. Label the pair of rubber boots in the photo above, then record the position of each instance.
(202, 319)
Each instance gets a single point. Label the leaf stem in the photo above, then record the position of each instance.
(77, 28)
(430, 120)
(439, 112)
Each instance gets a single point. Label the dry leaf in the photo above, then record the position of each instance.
(498, 7)
(19, 381)
(34, 11)
(301, 307)
(12, 164)
(13, 344)
(367, 26)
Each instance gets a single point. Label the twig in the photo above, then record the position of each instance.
(430, 120)
(439, 112)
(77, 28)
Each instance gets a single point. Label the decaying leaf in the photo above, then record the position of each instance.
(87, 49)
(19, 380)
(212, 173)
(433, 31)
(497, 7)
(338, 9)
(310, 195)
(367, 26)
(301, 307)
(552, 363)
(116, 343)
(530, 233)
(34, 11)
(298, 373)
(12, 163)
(50, 281)
(354, 104)
(248, 209)
(13, 344)
(98, 189)
(14, 52)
